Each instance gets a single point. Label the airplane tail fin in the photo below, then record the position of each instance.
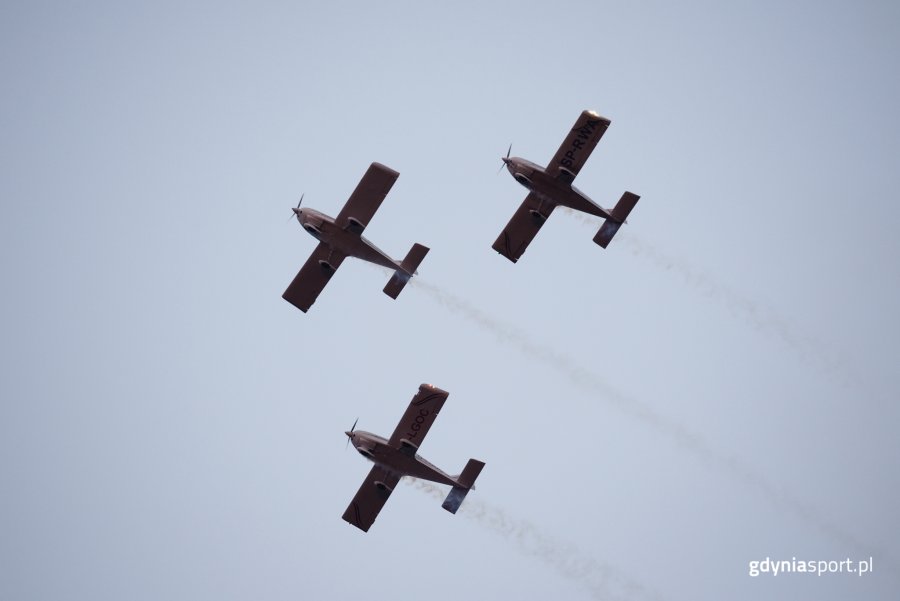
(616, 219)
(465, 483)
(407, 269)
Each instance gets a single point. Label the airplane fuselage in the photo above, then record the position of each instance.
(323, 228)
(402, 462)
(551, 189)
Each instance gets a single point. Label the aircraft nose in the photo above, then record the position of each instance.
(296, 210)
(347, 432)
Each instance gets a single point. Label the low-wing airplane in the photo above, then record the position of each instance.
(552, 186)
(342, 237)
(396, 457)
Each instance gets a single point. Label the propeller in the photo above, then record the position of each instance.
(352, 428)
(298, 206)
(505, 159)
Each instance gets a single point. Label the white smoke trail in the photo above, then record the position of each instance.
(601, 579)
(760, 317)
(687, 440)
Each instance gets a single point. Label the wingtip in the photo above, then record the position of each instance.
(383, 167)
(596, 115)
(431, 388)
(292, 302)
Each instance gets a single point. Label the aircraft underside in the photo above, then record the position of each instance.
(403, 465)
(353, 245)
(570, 197)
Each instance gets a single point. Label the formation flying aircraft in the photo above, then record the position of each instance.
(342, 237)
(396, 457)
(551, 186)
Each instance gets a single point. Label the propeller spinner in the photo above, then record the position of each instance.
(296, 210)
(505, 159)
(350, 433)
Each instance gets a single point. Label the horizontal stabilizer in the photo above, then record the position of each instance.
(465, 482)
(617, 218)
(407, 269)
(623, 207)
(606, 233)
(470, 473)
(455, 498)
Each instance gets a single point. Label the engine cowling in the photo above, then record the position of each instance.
(523, 179)
(365, 452)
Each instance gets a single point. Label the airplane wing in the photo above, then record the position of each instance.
(312, 277)
(579, 144)
(419, 416)
(370, 498)
(367, 197)
(522, 228)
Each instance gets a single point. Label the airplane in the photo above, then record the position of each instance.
(396, 457)
(551, 186)
(341, 237)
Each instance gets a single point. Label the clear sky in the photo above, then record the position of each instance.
(719, 386)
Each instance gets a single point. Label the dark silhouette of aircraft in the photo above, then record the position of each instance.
(342, 237)
(396, 457)
(552, 186)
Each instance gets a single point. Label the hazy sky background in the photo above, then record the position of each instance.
(716, 387)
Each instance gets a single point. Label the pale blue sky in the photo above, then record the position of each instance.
(717, 386)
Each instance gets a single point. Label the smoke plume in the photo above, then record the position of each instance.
(760, 317)
(687, 440)
(602, 580)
